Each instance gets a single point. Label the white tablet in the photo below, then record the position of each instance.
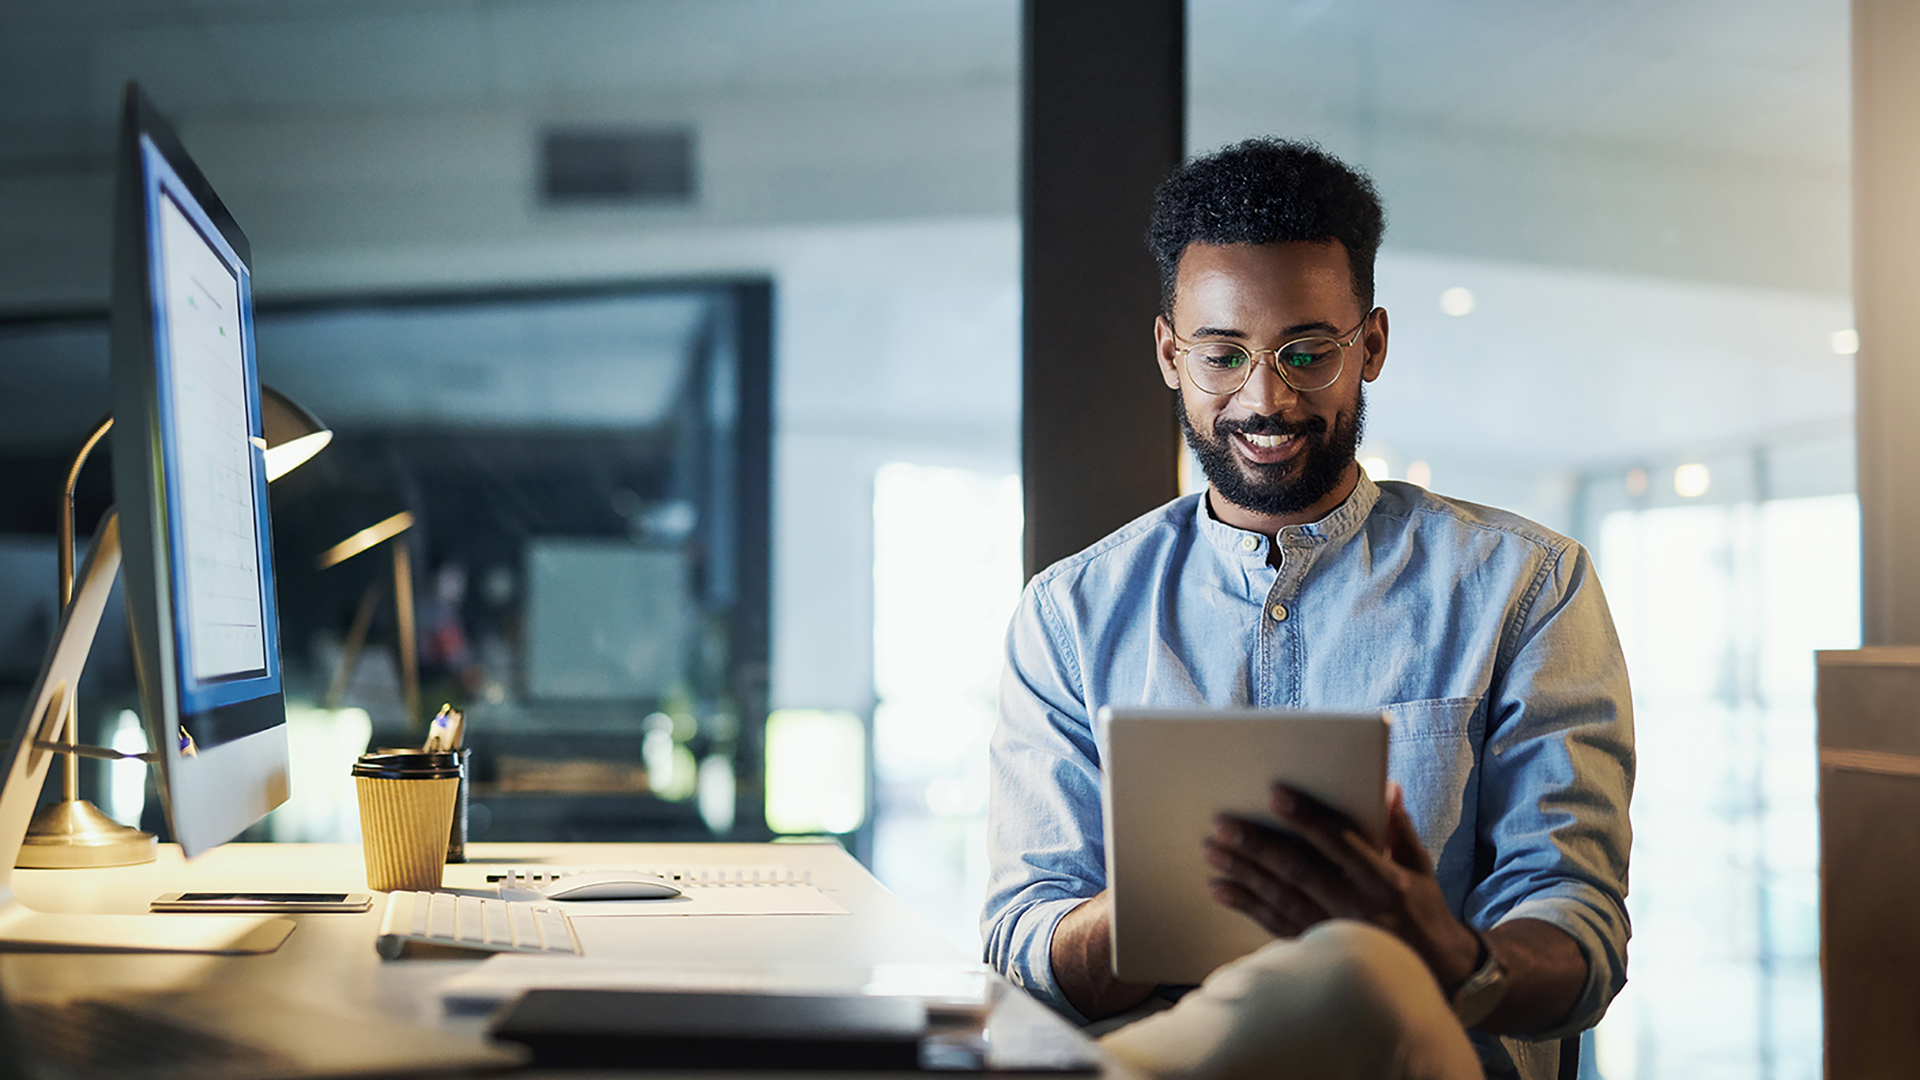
(1166, 773)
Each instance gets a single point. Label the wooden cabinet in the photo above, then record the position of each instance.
(1869, 738)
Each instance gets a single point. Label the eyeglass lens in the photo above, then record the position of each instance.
(1222, 367)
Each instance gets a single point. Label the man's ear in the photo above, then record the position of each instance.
(1164, 352)
(1375, 340)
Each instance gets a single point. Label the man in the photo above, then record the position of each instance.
(1294, 581)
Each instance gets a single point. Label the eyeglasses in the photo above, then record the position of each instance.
(1308, 363)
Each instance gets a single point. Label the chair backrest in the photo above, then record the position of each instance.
(1570, 1058)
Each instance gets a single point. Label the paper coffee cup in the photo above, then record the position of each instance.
(406, 809)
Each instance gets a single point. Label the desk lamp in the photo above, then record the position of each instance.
(367, 539)
(73, 832)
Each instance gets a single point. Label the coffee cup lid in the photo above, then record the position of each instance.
(407, 765)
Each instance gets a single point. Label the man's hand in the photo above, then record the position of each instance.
(1325, 869)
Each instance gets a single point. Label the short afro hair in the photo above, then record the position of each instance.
(1267, 191)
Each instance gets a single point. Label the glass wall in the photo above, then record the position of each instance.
(1720, 608)
(946, 577)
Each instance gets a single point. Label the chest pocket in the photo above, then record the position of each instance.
(1433, 750)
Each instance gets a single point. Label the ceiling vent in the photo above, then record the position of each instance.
(600, 166)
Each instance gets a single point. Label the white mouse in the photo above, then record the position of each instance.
(608, 885)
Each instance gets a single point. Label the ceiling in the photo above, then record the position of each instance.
(62, 63)
(1761, 79)
(1758, 78)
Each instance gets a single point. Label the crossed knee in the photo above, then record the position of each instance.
(1344, 1000)
(1371, 985)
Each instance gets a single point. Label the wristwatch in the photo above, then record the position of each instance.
(1482, 992)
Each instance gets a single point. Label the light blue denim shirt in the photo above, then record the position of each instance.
(1484, 635)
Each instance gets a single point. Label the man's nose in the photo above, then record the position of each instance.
(1266, 393)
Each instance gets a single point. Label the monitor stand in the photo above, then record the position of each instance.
(21, 928)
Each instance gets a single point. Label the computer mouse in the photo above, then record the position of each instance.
(609, 885)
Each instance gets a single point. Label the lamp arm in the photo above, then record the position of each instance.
(70, 777)
(65, 521)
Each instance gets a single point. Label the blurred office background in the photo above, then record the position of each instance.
(535, 260)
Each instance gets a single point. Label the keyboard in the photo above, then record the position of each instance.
(103, 1038)
(474, 922)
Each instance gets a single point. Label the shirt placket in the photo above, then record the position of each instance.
(1280, 625)
(1257, 578)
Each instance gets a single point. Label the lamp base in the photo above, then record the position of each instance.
(75, 834)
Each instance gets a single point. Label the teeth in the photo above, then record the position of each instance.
(1266, 442)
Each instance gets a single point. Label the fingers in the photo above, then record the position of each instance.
(1315, 865)
(1290, 917)
(1270, 864)
(1335, 838)
(1263, 893)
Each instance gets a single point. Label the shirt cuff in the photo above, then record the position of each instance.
(1031, 968)
(1576, 916)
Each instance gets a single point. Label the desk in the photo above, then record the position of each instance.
(330, 960)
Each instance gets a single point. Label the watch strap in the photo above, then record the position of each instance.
(1482, 992)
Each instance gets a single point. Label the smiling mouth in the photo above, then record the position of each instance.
(1269, 441)
(1266, 449)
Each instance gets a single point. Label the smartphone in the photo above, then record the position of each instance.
(263, 901)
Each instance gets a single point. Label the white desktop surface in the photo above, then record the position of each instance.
(330, 961)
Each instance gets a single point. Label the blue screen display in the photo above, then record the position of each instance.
(226, 632)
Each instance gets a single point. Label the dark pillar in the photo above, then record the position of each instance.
(1103, 121)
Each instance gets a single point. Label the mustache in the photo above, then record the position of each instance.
(1313, 426)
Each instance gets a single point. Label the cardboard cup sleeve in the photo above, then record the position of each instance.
(404, 818)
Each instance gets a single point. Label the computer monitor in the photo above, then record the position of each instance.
(191, 529)
(190, 486)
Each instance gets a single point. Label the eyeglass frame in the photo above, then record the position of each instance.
(1254, 355)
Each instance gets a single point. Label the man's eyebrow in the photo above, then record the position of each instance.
(1290, 332)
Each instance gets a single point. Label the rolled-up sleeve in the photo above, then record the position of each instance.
(1045, 849)
(1556, 778)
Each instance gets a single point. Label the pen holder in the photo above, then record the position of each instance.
(406, 816)
(457, 835)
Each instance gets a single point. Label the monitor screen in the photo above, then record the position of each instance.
(190, 485)
(213, 526)
(217, 599)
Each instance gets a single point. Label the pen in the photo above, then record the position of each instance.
(446, 730)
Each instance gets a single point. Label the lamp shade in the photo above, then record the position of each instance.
(292, 434)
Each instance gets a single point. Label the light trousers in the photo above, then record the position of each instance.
(1344, 1001)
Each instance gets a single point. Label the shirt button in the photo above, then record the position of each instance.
(1248, 543)
(1279, 613)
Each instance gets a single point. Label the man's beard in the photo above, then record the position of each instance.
(1286, 487)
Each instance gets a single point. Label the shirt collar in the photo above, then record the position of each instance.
(1342, 522)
